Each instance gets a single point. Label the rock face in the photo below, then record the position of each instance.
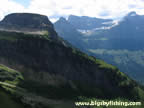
(45, 62)
(27, 23)
(87, 23)
(26, 20)
(51, 70)
(68, 32)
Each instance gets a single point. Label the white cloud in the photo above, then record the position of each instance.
(93, 8)
(9, 6)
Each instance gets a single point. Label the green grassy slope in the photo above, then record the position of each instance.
(7, 101)
(47, 71)
(9, 79)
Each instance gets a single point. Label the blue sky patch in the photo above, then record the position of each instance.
(25, 3)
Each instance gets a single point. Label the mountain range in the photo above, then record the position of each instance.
(117, 42)
(38, 69)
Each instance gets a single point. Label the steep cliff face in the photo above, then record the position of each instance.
(54, 71)
(26, 20)
(48, 62)
(27, 23)
(69, 33)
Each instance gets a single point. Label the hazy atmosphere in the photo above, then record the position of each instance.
(71, 53)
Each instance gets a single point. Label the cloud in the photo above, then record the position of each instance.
(104, 13)
(9, 6)
(93, 8)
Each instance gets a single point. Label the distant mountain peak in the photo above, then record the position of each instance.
(133, 13)
(86, 22)
(62, 19)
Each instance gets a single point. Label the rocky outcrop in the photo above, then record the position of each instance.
(27, 23)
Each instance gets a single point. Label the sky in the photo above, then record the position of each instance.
(54, 9)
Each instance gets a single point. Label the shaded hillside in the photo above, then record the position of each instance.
(49, 73)
(54, 71)
(50, 67)
(120, 44)
(49, 62)
(69, 33)
(9, 78)
(6, 101)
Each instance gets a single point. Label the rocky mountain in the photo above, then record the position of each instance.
(119, 42)
(39, 71)
(27, 23)
(87, 23)
(26, 20)
(69, 32)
